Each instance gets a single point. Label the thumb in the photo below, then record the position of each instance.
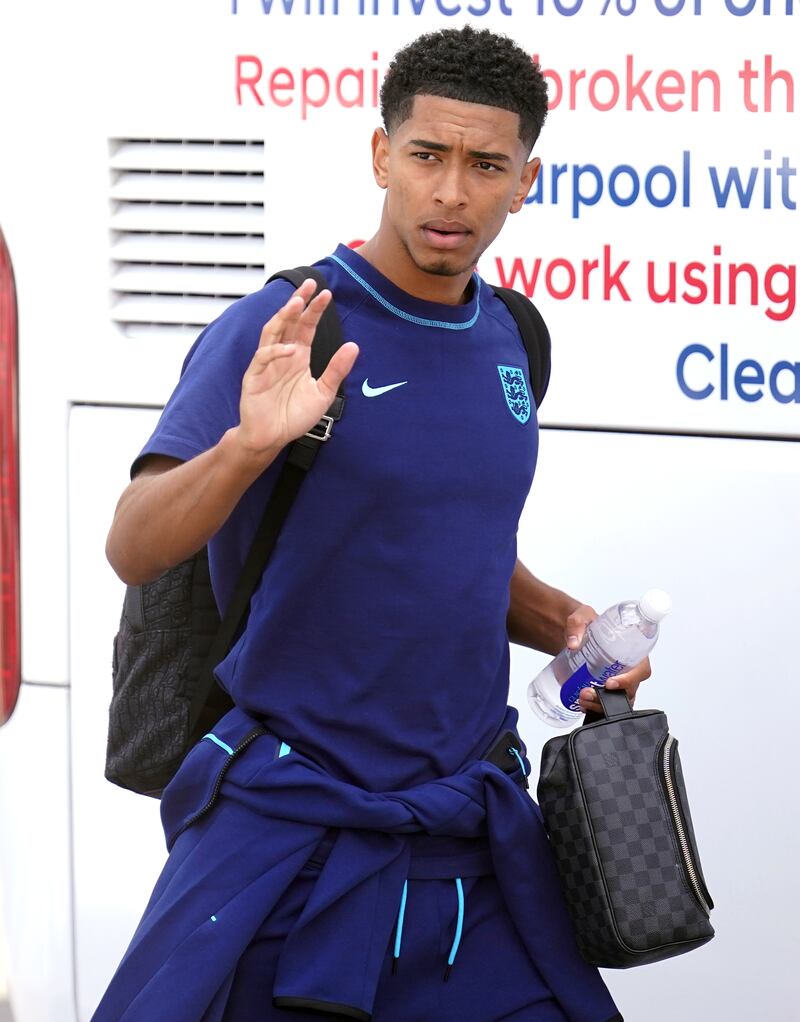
(338, 368)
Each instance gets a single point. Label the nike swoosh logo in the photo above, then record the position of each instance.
(368, 391)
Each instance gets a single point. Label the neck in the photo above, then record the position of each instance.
(390, 257)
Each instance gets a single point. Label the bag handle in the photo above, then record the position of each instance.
(615, 705)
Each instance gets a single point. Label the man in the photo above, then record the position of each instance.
(340, 845)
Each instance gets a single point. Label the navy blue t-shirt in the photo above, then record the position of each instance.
(376, 641)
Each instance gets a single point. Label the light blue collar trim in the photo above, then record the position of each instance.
(443, 324)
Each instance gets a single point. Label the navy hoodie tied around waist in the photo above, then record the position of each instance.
(264, 814)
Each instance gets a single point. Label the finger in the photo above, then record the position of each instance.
(306, 290)
(633, 677)
(265, 357)
(589, 702)
(289, 313)
(576, 624)
(337, 369)
(309, 319)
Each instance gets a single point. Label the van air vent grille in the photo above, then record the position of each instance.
(187, 231)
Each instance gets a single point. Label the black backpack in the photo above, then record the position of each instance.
(170, 639)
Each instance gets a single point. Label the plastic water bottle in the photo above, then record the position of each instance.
(620, 638)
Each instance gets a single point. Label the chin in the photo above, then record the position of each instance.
(443, 267)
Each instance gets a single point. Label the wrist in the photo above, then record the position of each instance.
(244, 460)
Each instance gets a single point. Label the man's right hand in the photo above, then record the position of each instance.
(171, 509)
(280, 399)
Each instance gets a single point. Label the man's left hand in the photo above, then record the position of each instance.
(630, 680)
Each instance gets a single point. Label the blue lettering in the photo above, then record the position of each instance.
(477, 8)
(571, 688)
(578, 198)
(781, 367)
(676, 8)
(619, 200)
(694, 349)
(733, 179)
(565, 10)
(672, 186)
(749, 372)
(748, 377)
(588, 185)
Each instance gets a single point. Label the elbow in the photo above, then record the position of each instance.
(121, 555)
(115, 555)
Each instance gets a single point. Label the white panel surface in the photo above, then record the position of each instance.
(118, 845)
(714, 522)
(35, 859)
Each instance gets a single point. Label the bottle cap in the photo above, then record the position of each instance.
(655, 604)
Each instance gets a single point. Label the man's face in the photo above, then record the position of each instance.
(453, 171)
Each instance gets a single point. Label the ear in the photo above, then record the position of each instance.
(380, 157)
(529, 174)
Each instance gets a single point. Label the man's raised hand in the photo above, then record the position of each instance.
(280, 399)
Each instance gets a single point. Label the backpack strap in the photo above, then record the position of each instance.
(301, 455)
(535, 337)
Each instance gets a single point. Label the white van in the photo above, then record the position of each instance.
(160, 160)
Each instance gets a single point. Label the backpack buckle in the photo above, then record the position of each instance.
(322, 430)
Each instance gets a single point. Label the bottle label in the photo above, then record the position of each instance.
(571, 688)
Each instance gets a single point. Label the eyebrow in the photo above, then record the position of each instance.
(477, 154)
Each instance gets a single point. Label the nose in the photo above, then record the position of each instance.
(450, 189)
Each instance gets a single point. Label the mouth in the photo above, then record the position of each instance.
(445, 234)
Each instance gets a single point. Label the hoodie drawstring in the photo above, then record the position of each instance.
(399, 935)
(459, 928)
(398, 939)
(515, 752)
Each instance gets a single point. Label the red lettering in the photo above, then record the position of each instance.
(635, 90)
(610, 77)
(307, 100)
(574, 78)
(249, 81)
(692, 274)
(281, 80)
(350, 72)
(528, 284)
(663, 88)
(557, 264)
(613, 280)
(551, 76)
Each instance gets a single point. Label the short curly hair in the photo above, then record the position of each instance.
(474, 66)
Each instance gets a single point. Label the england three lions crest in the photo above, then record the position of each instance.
(516, 391)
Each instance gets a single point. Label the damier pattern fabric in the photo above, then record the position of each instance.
(604, 802)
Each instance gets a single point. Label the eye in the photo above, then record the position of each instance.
(426, 157)
(485, 165)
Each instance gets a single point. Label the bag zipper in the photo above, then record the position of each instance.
(248, 739)
(672, 798)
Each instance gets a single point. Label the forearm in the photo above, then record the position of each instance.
(169, 513)
(537, 612)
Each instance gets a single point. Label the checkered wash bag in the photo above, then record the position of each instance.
(614, 804)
